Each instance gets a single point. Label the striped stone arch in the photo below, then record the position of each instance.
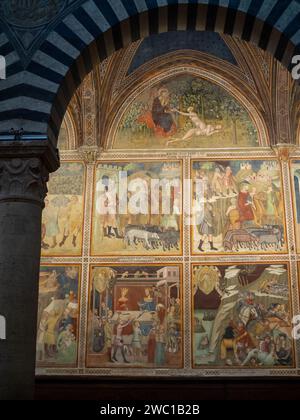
(13, 62)
(37, 97)
(8, 89)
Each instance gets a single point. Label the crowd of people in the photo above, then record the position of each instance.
(146, 336)
(58, 316)
(234, 200)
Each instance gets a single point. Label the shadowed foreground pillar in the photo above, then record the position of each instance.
(23, 175)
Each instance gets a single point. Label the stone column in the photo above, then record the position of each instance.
(24, 168)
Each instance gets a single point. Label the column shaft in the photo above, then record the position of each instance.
(20, 234)
(24, 169)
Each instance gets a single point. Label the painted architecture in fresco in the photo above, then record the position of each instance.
(63, 213)
(295, 168)
(185, 112)
(132, 215)
(135, 316)
(238, 207)
(242, 316)
(58, 315)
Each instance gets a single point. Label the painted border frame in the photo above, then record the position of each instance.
(83, 215)
(199, 72)
(238, 368)
(248, 253)
(181, 294)
(92, 253)
(62, 366)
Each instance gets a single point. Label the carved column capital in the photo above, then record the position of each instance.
(24, 168)
(23, 179)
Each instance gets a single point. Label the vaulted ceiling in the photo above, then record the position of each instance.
(256, 75)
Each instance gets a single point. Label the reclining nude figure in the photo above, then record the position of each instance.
(200, 129)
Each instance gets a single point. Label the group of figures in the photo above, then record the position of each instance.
(135, 317)
(186, 111)
(58, 315)
(242, 316)
(63, 214)
(137, 229)
(238, 207)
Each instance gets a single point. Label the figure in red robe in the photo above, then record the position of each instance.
(245, 206)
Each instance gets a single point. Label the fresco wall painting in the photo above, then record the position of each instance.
(231, 262)
(58, 315)
(62, 224)
(137, 231)
(242, 316)
(185, 111)
(135, 316)
(238, 207)
(241, 311)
